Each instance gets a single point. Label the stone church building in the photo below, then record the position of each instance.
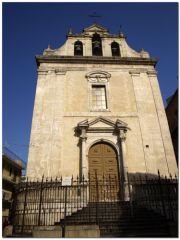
(98, 109)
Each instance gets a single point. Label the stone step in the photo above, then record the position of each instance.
(115, 220)
(131, 228)
(134, 234)
(127, 218)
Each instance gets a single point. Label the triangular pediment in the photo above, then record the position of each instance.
(102, 123)
(95, 28)
(122, 124)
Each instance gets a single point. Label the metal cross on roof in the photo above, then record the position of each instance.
(94, 15)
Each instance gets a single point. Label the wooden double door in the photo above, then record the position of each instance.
(103, 167)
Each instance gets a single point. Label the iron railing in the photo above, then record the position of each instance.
(49, 202)
(156, 193)
(93, 201)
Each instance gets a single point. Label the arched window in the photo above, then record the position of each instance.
(96, 45)
(115, 49)
(78, 48)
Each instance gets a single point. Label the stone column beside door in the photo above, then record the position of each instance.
(121, 136)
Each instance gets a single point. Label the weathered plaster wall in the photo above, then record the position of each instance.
(62, 102)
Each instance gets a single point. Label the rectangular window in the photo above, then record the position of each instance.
(99, 100)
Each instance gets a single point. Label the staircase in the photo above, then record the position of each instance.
(115, 220)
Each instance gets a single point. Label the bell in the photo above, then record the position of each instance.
(114, 49)
(78, 48)
(96, 44)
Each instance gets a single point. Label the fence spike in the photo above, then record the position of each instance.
(42, 178)
(146, 178)
(159, 176)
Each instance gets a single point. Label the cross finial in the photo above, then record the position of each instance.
(94, 15)
(120, 28)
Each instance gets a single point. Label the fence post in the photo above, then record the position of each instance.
(24, 209)
(161, 195)
(175, 198)
(40, 201)
(65, 206)
(12, 216)
(83, 191)
(97, 198)
(90, 195)
(169, 196)
(130, 196)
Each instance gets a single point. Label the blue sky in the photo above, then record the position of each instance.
(28, 28)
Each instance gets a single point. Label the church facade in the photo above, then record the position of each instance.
(98, 109)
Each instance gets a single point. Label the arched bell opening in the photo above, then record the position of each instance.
(115, 49)
(96, 45)
(78, 48)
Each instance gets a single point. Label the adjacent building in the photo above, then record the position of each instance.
(12, 167)
(172, 117)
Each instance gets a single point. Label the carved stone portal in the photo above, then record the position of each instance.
(94, 129)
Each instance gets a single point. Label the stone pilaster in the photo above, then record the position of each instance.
(121, 135)
(163, 125)
(84, 167)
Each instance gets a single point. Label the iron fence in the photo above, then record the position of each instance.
(50, 202)
(156, 193)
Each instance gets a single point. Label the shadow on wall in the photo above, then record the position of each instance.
(148, 176)
(155, 192)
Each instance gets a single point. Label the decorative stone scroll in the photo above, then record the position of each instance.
(98, 77)
(122, 134)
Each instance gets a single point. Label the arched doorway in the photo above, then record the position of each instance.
(103, 172)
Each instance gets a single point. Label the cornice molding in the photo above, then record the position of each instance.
(134, 72)
(152, 73)
(95, 60)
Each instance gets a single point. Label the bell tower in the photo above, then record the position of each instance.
(96, 93)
